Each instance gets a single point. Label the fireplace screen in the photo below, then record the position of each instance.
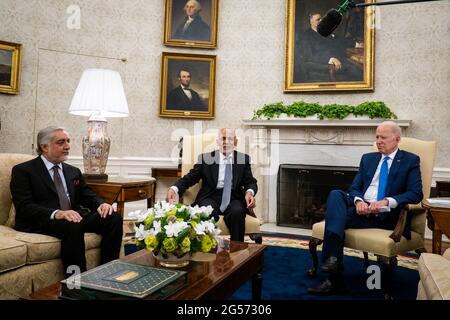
(302, 192)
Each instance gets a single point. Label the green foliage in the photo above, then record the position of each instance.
(301, 109)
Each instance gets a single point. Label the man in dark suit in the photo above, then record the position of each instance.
(183, 97)
(318, 55)
(193, 27)
(227, 183)
(48, 195)
(386, 181)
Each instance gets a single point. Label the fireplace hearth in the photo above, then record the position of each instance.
(302, 192)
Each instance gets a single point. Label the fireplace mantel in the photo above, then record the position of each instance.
(279, 122)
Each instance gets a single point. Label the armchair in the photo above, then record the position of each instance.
(192, 147)
(434, 271)
(387, 244)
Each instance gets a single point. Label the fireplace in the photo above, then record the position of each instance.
(302, 192)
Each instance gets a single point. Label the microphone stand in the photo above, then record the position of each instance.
(357, 5)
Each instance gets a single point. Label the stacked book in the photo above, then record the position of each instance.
(122, 280)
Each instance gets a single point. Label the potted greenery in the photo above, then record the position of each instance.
(301, 109)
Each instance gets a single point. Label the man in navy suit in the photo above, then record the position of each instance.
(211, 168)
(183, 97)
(386, 181)
(52, 198)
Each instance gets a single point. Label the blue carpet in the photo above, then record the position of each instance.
(284, 278)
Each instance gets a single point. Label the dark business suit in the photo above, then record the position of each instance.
(314, 52)
(198, 30)
(207, 170)
(35, 199)
(178, 100)
(404, 184)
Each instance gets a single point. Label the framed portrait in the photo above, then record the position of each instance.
(10, 60)
(187, 85)
(191, 23)
(343, 61)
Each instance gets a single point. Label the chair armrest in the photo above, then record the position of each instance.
(396, 235)
(252, 213)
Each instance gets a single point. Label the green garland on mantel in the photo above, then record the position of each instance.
(301, 109)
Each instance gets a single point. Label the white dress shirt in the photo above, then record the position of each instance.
(187, 92)
(372, 191)
(49, 167)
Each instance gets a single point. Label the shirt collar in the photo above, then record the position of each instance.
(183, 87)
(228, 157)
(391, 156)
(50, 165)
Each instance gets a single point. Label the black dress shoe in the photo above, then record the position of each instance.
(327, 287)
(332, 265)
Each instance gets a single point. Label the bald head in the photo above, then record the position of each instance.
(388, 136)
(226, 140)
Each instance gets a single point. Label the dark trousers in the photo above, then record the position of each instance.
(234, 214)
(341, 214)
(72, 238)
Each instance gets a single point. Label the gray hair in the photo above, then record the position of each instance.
(198, 7)
(45, 135)
(395, 128)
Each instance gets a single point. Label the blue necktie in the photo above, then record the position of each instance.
(382, 181)
(226, 195)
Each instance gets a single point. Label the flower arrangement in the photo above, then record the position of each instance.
(175, 229)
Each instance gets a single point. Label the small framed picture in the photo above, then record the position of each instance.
(187, 85)
(191, 23)
(10, 60)
(343, 61)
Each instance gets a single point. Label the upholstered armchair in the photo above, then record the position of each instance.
(434, 271)
(387, 244)
(193, 146)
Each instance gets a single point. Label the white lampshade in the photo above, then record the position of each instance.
(100, 91)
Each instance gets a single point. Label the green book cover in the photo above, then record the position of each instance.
(126, 279)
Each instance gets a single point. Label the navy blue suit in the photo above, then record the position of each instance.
(404, 185)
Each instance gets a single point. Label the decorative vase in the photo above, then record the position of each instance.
(172, 261)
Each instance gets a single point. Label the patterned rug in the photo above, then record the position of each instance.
(301, 242)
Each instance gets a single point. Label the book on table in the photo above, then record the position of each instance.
(122, 280)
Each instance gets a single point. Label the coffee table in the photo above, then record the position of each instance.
(216, 277)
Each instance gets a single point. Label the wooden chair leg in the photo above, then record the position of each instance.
(388, 266)
(313, 243)
(366, 259)
(256, 237)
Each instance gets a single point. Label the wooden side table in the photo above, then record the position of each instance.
(124, 189)
(438, 216)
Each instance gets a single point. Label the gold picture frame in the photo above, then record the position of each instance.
(10, 63)
(308, 63)
(187, 85)
(198, 32)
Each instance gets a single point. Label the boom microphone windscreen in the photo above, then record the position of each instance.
(330, 22)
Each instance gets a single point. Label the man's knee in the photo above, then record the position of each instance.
(337, 195)
(237, 212)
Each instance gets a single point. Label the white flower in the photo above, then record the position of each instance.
(172, 229)
(139, 215)
(200, 229)
(156, 228)
(141, 234)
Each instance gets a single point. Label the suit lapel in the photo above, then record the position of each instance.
(45, 175)
(396, 162)
(371, 170)
(215, 167)
(236, 169)
(69, 180)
